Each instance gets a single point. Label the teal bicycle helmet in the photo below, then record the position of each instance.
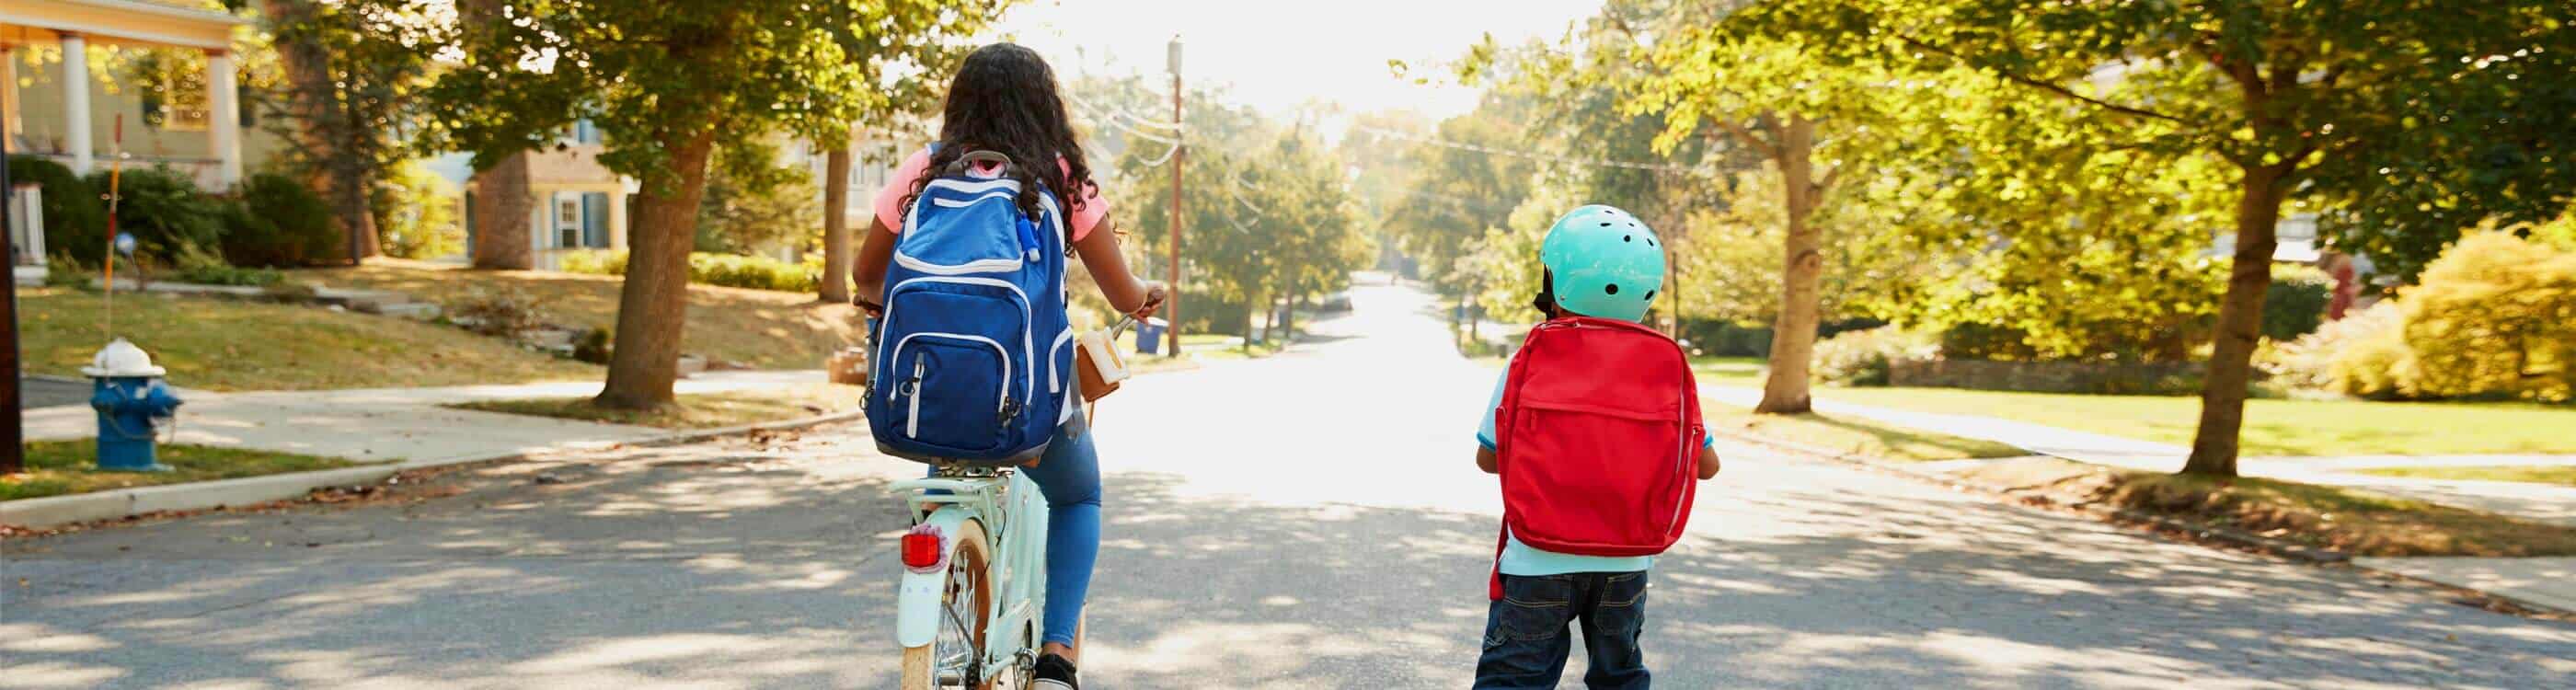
(1602, 262)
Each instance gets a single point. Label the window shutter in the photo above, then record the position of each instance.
(594, 220)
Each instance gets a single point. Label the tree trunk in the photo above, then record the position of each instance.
(1247, 329)
(652, 306)
(1793, 336)
(341, 174)
(501, 208)
(1288, 321)
(2240, 325)
(836, 225)
(349, 188)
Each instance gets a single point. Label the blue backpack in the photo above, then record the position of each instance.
(973, 354)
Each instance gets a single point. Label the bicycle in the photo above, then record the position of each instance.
(959, 588)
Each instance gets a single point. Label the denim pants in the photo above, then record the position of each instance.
(1526, 642)
(1069, 476)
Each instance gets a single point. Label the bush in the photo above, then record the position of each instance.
(2363, 355)
(281, 222)
(605, 262)
(592, 346)
(193, 264)
(75, 220)
(416, 214)
(706, 268)
(2495, 315)
(162, 209)
(1861, 358)
(2296, 304)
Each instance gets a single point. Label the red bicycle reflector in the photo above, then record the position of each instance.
(921, 548)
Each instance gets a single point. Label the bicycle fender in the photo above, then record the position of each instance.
(917, 611)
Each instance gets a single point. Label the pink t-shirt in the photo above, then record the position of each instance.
(890, 199)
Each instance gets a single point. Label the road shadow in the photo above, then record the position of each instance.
(751, 565)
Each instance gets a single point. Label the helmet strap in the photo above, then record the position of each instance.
(1545, 302)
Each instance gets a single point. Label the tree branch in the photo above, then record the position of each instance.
(2051, 87)
(1749, 138)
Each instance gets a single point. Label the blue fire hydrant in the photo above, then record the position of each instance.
(132, 404)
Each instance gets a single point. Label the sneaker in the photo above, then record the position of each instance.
(1054, 672)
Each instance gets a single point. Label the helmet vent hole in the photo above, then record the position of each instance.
(1612, 288)
(1605, 223)
(1627, 238)
(1650, 295)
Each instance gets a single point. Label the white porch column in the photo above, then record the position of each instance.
(223, 116)
(76, 100)
(617, 219)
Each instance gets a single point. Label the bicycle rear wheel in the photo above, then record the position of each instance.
(953, 657)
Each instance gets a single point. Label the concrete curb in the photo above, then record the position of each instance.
(122, 503)
(2242, 540)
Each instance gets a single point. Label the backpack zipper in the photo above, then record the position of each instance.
(912, 420)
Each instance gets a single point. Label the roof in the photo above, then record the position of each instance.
(128, 22)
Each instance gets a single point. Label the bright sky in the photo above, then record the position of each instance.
(1277, 55)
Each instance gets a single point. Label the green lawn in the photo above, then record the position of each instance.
(758, 328)
(1217, 346)
(2350, 520)
(224, 344)
(696, 410)
(2561, 475)
(63, 467)
(1851, 436)
(1729, 371)
(2272, 427)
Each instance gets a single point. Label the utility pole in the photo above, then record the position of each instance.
(1172, 59)
(13, 459)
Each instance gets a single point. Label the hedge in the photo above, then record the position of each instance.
(708, 268)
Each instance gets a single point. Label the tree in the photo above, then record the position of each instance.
(2405, 123)
(664, 79)
(1713, 83)
(353, 73)
(836, 226)
(753, 204)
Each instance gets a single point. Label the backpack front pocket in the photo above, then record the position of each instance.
(954, 390)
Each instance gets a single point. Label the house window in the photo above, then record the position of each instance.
(173, 90)
(568, 221)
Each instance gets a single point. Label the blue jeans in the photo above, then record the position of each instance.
(1526, 643)
(1069, 476)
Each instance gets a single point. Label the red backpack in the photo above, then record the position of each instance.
(1598, 439)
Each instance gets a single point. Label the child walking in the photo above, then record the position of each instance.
(1596, 434)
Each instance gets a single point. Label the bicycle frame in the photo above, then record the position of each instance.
(1014, 517)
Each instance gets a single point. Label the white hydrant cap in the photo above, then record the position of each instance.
(121, 358)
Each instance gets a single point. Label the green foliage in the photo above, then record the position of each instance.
(1862, 358)
(592, 346)
(194, 264)
(753, 204)
(2363, 354)
(2496, 315)
(416, 213)
(729, 270)
(2296, 303)
(1269, 217)
(277, 221)
(162, 209)
(75, 219)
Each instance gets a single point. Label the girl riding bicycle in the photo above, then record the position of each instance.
(1003, 99)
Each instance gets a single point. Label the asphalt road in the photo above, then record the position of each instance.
(1311, 520)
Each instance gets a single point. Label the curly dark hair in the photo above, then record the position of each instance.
(1004, 100)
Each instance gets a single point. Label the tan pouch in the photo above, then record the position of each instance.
(1098, 367)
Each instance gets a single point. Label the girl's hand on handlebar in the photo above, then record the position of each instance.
(1155, 295)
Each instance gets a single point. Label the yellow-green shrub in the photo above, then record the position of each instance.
(2495, 315)
(710, 268)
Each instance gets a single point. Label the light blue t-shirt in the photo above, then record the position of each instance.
(1523, 559)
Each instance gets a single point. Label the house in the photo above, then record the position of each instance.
(71, 107)
(534, 208)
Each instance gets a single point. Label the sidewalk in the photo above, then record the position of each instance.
(2539, 502)
(389, 424)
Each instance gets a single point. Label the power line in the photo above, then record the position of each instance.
(1524, 155)
(1113, 109)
